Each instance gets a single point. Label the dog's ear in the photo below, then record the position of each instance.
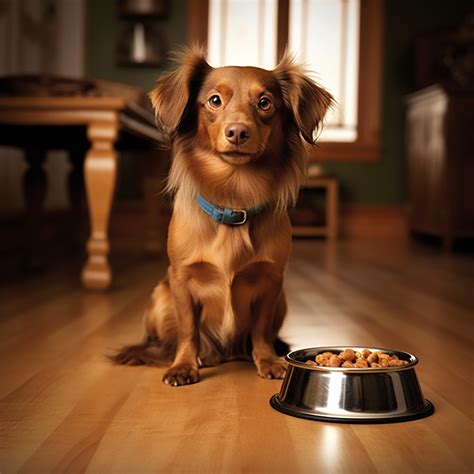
(175, 89)
(307, 101)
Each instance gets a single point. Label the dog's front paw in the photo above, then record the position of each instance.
(272, 369)
(182, 374)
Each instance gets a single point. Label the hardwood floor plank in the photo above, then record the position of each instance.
(72, 444)
(319, 447)
(451, 427)
(411, 447)
(83, 314)
(55, 385)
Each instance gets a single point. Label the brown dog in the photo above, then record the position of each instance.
(238, 157)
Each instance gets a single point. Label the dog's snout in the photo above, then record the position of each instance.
(237, 133)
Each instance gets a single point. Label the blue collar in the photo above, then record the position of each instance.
(225, 215)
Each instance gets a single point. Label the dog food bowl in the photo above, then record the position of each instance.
(368, 395)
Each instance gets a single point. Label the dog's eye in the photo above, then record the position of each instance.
(265, 104)
(215, 101)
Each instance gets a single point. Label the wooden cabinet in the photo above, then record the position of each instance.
(440, 152)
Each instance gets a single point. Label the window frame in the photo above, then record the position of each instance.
(367, 146)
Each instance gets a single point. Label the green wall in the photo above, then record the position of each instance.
(103, 27)
(381, 182)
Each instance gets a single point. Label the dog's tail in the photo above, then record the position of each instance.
(149, 352)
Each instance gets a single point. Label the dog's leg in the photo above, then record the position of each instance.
(269, 305)
(184, 369)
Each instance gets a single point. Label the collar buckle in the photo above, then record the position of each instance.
(244, 216)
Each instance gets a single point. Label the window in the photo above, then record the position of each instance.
(242, 33)
(324, 34)
(338, 39)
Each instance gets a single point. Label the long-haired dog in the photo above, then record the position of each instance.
(238, 156)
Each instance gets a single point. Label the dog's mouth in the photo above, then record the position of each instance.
(237, 157)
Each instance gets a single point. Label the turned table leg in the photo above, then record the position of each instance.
(100, 169)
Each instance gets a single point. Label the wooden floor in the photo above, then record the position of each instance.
(64, 408)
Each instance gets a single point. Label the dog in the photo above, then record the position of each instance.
(238, 139)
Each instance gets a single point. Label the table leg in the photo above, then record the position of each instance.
(100, 170)
(34, 190)
(333, 210)
(77, 197)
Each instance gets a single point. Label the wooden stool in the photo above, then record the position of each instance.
(330, 229)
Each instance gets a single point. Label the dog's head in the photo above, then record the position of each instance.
(238, 113)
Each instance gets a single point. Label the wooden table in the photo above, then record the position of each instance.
(40, 123)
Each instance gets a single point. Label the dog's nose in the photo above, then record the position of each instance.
(237, 133)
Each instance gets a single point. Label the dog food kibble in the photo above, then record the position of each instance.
(361, 363)
(348, 355)
(372, 357)
(350, 359)
(334, 361)
(365, 353)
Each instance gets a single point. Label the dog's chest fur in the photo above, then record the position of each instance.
(226, 268)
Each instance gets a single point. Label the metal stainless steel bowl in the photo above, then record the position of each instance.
(351, 395)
